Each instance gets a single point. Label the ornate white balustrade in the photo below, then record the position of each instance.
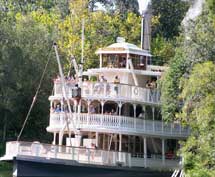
(83, 155)
(110, 90)
(77, 154)
(120, 124)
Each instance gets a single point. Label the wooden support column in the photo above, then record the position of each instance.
(162, 124)
(163, 151)
(102, 104)
(51, 104)
(129, 144)
(134, 107)
(145, 151)
(120, 142)
(153, 117)
(135, 120)
(97, 139)
(144, 110)
(134, 144)
(120, 108)
(127, 57)
(153, 113)
(103, 141)
(54, 138)
(61, 104)
(109, 142)
(120, 147)
(116, 140)
(60, 142)
(75, 106)
(100, 60)
(140, 144)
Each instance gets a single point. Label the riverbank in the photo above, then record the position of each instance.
(5, 166)
(5, 169)
(6, 173)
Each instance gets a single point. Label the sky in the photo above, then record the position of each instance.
(142, 5)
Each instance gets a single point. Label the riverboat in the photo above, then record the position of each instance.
(106, 124)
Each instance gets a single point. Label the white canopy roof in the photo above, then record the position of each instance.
(123, 48)
(97, 71)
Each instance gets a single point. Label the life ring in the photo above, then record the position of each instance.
(136, 91)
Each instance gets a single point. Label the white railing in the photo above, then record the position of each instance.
(121, 123)
(154, 162)
(110, 90)
(85, 155)
(77, 154)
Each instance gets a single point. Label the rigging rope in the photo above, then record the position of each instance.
(35, 97)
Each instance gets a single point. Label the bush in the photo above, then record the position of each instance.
(2, 149)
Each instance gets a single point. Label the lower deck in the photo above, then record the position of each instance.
(87, 156)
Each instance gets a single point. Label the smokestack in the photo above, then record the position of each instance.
(146, 28)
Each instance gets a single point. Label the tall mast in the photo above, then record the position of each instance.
(82, 56)
(64, 89)
(142, 26)
(82, 42)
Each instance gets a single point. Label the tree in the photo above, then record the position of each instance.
(170, 85)
(211, 5)
(101, 29)
(195, 45)
(163, 50)
(24, 50)
(188, 94)
(126, 5)
(198, 112)
(11, 7)
(116, 6)
(170, 14)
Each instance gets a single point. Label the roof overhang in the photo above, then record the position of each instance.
(94, 72)
(125, 51)
(123, 48)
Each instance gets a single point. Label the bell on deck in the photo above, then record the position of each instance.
(76, 92)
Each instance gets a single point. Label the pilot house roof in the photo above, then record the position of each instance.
(123, 48)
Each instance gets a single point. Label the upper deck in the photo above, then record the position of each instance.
(107, 91)
(136, 79)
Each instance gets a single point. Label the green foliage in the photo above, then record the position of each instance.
(166, 21)
(162, 50)
(170, 14)
(170, 85)
(5, 168)
(211, 5)
(2, 149)
(196, 45)
(116, 6)
(101, 29)
(23, 53)
(188, 94)
(199, 40)
(124, 6)
(198, 112)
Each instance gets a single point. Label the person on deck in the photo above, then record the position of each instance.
(92, 109)
(57, 109)
(103, 79)
(116, 82)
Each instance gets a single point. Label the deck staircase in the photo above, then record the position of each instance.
(178, 173)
